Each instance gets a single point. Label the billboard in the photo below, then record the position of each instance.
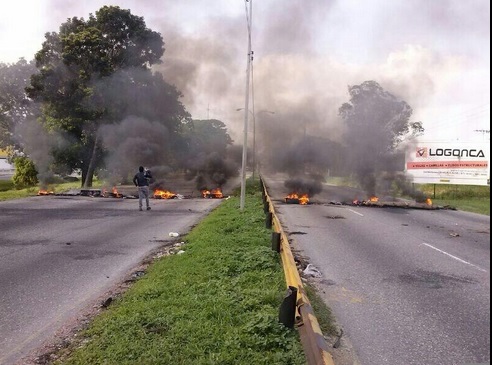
(459, 163)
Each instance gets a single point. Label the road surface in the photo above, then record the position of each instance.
(407, 286)
(59, 255)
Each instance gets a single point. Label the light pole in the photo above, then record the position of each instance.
(254, 133)
(246, 108)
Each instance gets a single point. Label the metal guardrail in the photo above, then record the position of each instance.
(312, 338)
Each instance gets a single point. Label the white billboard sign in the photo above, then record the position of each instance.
(459, 163)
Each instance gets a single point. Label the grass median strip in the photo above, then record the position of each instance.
(217, 303)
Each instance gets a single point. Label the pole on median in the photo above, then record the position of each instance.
(246, 112)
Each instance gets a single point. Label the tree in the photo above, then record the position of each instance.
(75, 62)
(311, 156)
(375, 114)
(376, 123)
(204, 153)
(15, 106)
(206, 136)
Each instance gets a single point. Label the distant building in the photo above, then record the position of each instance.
(4, 165)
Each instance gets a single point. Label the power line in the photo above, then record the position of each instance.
(462, 117)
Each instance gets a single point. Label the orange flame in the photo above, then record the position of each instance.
(214, 193)
(292, 196)
(163, 194)
(304, 199)
(116, 193)
(45, 192)
(428, 201)
(217, 193)
(373, 199)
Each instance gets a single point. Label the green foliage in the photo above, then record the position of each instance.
(376, 123)
(203, 152)
(8, 192)
(6, 185)
(15, 107)
(217, 303)
(82, 66)
(450, 192)
(372, 111)
(207, 136)
(324, 315)
(25, 173)
(469, 198)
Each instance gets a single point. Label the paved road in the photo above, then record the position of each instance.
(59, 255)
(407, 286)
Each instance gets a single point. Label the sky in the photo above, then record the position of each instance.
(435, 55)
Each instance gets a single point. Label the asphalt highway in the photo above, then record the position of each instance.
(407, 286)
(60, 255)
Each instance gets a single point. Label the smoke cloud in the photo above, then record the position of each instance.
(306, 54)
(211, 171)
(38, 145)
(134, 142)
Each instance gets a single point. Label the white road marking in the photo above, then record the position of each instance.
(454, 257)
(353, 211)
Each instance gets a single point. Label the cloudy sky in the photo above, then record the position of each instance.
(435, 55)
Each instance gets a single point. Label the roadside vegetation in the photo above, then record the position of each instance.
(215, 303)
(218, 301)
(8, 190)
(468, 198)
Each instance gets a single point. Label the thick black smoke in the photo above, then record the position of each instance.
(303, 186)
(211, 170)
(135, 142)
(291, 77)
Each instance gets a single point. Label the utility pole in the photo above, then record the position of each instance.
(246, 110)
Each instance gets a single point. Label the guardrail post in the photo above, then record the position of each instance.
(266, 206)
(268, 220)
(276, 241)
(287, 312)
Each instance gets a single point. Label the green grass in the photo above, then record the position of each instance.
(8, 191)
(217, 303)
(6, 185)
(468, 198)
(325, 317)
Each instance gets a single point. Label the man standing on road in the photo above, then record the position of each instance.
(141, 181)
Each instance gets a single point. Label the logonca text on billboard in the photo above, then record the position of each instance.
(460, 163)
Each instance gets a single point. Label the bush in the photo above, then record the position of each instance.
(25, 173)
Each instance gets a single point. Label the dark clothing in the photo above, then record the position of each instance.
(140, 179)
